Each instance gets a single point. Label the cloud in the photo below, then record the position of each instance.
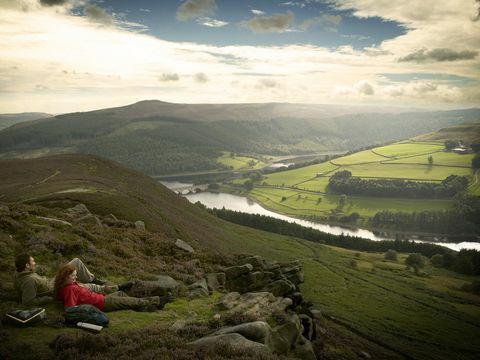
(206, 21)
(192, 9)
(267, 83)
(294, 3)
(200, 78)
(169, 77)
(328, 22)
(439, 54)
(145, 10)
(277, 23)
(98, 15)
(365, 88)
(257, 12)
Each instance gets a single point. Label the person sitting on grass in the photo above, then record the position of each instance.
(71, 293)
(35, 290)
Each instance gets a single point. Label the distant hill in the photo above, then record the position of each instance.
(163, 138)
(467, 133)
(7, 120)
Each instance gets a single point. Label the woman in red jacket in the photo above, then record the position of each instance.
(72, 293)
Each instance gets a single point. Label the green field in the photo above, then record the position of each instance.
(296, 192)
(239, 162)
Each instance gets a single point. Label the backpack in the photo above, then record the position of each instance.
(24, 318)
(85, 313)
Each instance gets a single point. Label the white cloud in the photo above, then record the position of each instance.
(206, 21)
(169, 77)
(257, 12)
(328, 22)
(201, 78)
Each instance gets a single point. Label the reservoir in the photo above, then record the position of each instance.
(243, 204)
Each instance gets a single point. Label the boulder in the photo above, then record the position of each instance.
(77, 211)
(249, 282)
(198, 289)
(161, 287)
(258, 331)
(235, 341)
(228, 301)
(290, 331)
(304, 350)
(215, 281)
(280, 288)
(184, 246)
(257, 262)
(236, 271)
(140, 225)
(293, 272)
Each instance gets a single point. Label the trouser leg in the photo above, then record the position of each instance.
(124, 302)
(83, 274)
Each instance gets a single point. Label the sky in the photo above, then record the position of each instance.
(60, 56)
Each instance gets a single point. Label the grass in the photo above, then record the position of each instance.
(408, 149)
(439, 158)
(239, 162)
(293, 177)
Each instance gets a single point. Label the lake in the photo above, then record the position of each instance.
(243, 204)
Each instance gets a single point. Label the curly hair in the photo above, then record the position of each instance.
(61, 279)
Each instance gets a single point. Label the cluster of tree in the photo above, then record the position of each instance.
(464, 262)
(278, 226)
(464, 218)
(343, 182)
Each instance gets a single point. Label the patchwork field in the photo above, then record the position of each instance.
(240, 162)
(303, 191)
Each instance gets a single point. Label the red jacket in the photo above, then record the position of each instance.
(74, 294)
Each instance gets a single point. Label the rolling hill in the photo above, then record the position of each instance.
(7, 120)
(164, 138)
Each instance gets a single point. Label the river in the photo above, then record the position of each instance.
(243, 204)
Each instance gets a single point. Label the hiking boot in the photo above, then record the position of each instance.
(125, 286)
(98, 281)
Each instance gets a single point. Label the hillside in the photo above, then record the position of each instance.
(370, 306)
(467, 133)
(164, 138)
(7, 120)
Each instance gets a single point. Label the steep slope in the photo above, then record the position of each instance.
(107, 187)
(7, 120)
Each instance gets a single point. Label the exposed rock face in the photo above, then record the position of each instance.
(255, 274)
(198, 289)
(161, 287)
(89, 219)
(78, 211)
(140, 225)
(215, 281)
(184, 246)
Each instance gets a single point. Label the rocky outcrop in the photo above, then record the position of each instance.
(160, 287)
(77, 211)
(184, 246)
(140, 225)
(198, 289)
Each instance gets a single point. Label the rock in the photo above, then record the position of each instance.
(293, 272)
(215, 281)
(161, 287)
(364, 354)
(179, 325)
(78, 211)
(140, 225)
(317, 314)
(89, 219)
(290, 330)
(297, 298)
(198, 289)
(228, 301)
(217, 317)
(309, 332)
(249, 282)
(258, 331)
(280, 287)
(54, 221)
(304, 350)
(236, 271)
(236, 341)
(257, 262)
(184, 246)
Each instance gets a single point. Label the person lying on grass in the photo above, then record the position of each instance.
(34, 290)
(71, 293)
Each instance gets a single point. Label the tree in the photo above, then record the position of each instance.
(391, 255)
(248, 185)
(451, 144)
(415, 260)
(342, 201)
(437, 260)
(430, 160)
